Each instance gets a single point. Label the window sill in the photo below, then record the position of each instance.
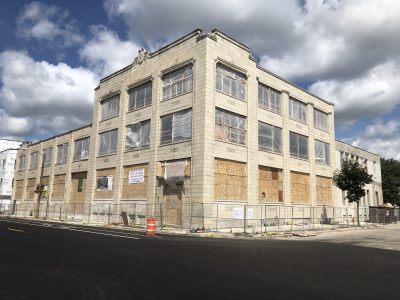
(136, 149)
(298, 121)
(230, 143)
(323, 164)
(174, 143)
(83, 159)
(60, 164)
(107, 154)
(176, 96)
(137, 109)
(105, 120)
(237, 98)
(268, 151)
(321, 129)
(271, 111)
(299, 158)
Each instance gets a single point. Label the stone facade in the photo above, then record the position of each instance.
(214, 82)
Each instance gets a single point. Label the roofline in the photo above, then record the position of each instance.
(10, 140)
(358, 148)
(157, 52)
(294, 85)
(231, 39)
(8, 150)
(61, 134)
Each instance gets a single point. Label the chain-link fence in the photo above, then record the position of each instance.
(225, 217)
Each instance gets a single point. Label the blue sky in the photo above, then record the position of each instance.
(53, 53)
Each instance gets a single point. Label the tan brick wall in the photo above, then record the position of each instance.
(300, 188)
(270, 182)
(30, 189)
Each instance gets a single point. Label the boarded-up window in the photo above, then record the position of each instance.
(105, 183)
(134, 186)
(270, 184)
(78, 187)
(300, 188)
(230, 180)
(231, 82)
(324, 190)
(19, 189)
(58, 187)
(30, 189)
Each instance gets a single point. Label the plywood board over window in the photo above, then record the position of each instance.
(30, 188)
(134, 186)
(19, 189)
(300, 188)
(324, 190)
(270, 184)
(105, 183)
(78, 187)
(58, 187)
(230, 180)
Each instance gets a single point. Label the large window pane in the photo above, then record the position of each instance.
(322, 154)
(140, 96)
(81, 149)
(230, 82)
(176, 127)
(298, 145)
(110, 108)
(230, 127)
(62, 153)
(34, 160)
(138, 135)
(320, 120)
(178, 82)
(297, 110)
(269, 98)
(108, 142)
(47, 156)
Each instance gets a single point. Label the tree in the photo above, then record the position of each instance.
(391, 181)
(352, 178)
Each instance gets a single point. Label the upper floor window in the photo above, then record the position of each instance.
(22, 163)
(297, 110)
(231, 82)
(178, 82)
(62, 153)
(110, 108)
(176, 127)
(269, 137)
(298, 145)
(269, 98)
(320, 120)
(137, 135)
(108, 142)
(322, 154)
(140, 96)
(48, 153)
(230, 127)
(81, 149)
(34, 160)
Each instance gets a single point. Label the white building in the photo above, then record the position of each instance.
(8, 154)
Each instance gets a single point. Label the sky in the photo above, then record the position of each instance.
(53, 54)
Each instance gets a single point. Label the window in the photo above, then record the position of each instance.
(322, 152)
(81, 149)
(110, 108)
(140, 96)
(62, 153)
(108, 142)
(22, 163)
(297, 110)
(269, 138)
(230, 127)
(320, 120)
(298, 145)
(137, 135)
(176, 127)
(269, 98)
(34, 160)
(178, 82)
(47, 153)
(231, 82)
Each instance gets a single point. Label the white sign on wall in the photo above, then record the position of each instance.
(238, 213)
(136, 176)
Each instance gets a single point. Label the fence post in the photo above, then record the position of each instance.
(261, 219)
(90, 212)
(347, 216)
(134, 214)
(191, 214)
(161, 216)
(216, 221)
(303, 218)
(291, 226)
(109, 213)
(244, 217)
(334, 221)
(278, 208)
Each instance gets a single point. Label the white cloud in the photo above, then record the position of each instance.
(49, 98)
(381, 137)
(105, 53)
(49, 24)
(374, 94)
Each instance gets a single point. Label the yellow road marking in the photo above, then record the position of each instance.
(17, 230)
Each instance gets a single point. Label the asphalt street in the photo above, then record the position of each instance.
(48, 261)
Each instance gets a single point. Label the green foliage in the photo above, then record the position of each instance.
(391, 180)
(352, 178)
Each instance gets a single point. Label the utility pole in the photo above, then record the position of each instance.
(40, 189)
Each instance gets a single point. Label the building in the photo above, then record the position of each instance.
(8, 154)
(371, 162)
(197, 121)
